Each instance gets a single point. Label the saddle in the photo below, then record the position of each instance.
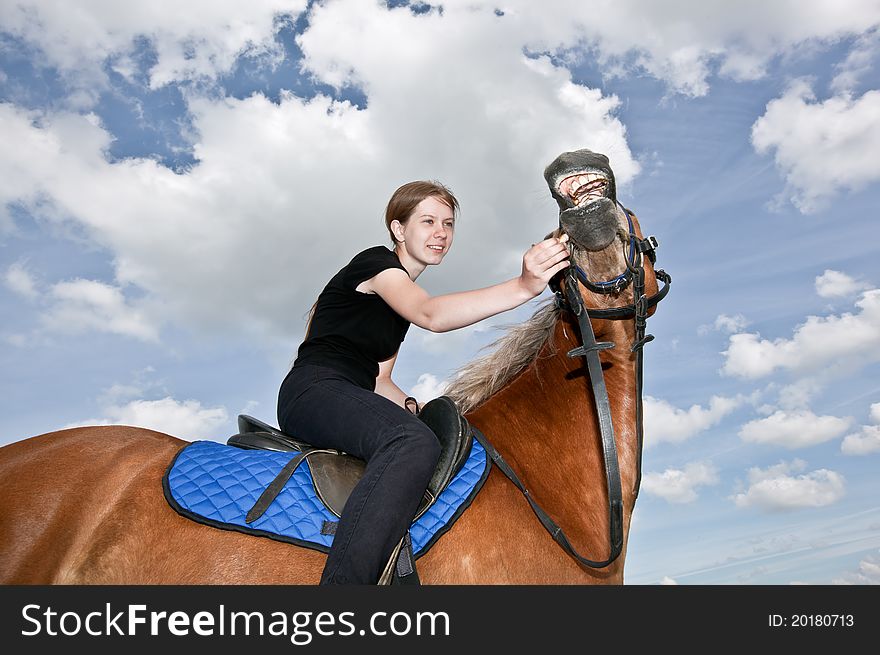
(335, 473)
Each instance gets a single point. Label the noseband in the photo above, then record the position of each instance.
(569, 298)
(637, 247)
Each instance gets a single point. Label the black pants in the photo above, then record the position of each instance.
(327, 410)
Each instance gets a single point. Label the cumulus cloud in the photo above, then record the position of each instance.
(684, 45)
(867, 440)
(833, 284)
(774, 489)
(20, 281)
(261, 189)
(89, 305)
(666, 580)
(665, 422)
(673, 42)
(794, 429)
(725, 323)
(864, 442)
(427, 388)
(868, 572)
(680, 485)
(185, 419)
(821, 147)
(798, 395)
(836, 340)
(859, 61)
(191, 40)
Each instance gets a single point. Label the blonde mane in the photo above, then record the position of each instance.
(477, 381)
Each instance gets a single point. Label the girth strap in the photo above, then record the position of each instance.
(271, 492)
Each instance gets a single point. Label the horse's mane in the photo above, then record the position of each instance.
(477, 381)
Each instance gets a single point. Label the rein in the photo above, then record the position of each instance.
(572, 300)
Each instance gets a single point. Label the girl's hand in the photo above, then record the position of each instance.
(411, 405)
(541, 262)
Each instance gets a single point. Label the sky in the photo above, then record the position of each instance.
(179, 180)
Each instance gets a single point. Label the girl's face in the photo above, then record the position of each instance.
(427, 234)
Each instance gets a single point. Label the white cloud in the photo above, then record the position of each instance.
(859, 61)
(868, 572)
(819, 343)
(867, 440)
(679, 485)
(673, 41)
(186, 419)
(794, 429)
(773, 489)
(16, 340)
(731, 323)
(255, 218)
(19, 280)
(683, 44)
(821, 147)
(86, 305)
(260, 189)
(798, 395)
(666, 580)
(665, 422)
(427, 388)
(864, 442)
(191, 40)
(833, 284)
(725, 323)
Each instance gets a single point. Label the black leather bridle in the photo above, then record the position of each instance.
(570, 299)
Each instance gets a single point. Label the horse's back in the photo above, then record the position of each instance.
(86, 505)
(58, 490)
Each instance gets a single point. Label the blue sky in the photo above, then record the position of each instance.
(176, 188)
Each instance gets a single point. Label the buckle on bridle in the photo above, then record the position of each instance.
(581, 351)
(648, 246)
(616, 286)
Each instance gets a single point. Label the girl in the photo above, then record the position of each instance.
(339, 393)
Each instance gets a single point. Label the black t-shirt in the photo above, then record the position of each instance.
(351, 331)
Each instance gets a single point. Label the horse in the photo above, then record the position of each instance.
(85, 505)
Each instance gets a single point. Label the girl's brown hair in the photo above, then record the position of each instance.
(407, 197)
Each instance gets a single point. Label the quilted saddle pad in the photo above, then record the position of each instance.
(216, 484)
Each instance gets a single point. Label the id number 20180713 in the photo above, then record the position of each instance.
(811, 621)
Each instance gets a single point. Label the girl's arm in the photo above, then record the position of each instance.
(384, 384)
(456, 310)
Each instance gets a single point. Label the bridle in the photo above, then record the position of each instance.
(569, 298)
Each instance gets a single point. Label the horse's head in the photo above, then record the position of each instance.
(582, 183)
(606, 239)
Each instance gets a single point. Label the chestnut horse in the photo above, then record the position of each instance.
(85, 505)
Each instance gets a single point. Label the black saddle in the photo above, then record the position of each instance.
(335, 473)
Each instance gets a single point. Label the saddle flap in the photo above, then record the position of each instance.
(454, 433)
(335, 476)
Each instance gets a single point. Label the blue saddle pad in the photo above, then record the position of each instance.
(216, 484)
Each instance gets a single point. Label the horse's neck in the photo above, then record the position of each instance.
(544, 423)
